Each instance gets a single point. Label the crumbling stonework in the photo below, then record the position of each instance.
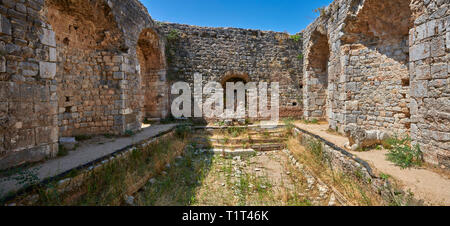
(67, 68)
(387, 70)
(71, 67)
(223, 54)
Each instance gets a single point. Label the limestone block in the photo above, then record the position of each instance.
(119, 75)
(5, 25)
(52, 54)
(419, 88)
(31, 155)
(48, 37)
(47, 70)
(420, 51)
(439, 71)
(2, 64)
(422, 72)
(69, 143)
(438, 47)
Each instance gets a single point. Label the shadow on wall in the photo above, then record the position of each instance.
(150, 51)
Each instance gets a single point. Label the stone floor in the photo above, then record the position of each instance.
(87, 152)
(431, 187)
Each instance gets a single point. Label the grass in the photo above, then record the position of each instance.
(62, 151)
(312, 121)
(107, 185)
(356, 191)
(402, 153)
(289, 123)
(296, 37)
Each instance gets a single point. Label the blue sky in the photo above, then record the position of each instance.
(275, 15)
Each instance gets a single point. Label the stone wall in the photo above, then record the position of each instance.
(386, 69)
(224, 54)
(28, 87)
(69, 68)
(87, 56)
(430, 79)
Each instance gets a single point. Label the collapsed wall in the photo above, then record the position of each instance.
(386, 68)
(231, 54)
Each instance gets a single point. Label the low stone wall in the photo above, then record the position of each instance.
(337, 157)
(71, 183)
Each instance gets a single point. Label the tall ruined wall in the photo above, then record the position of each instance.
(68, 67)
(386, 69)
(226, 53)
(28, 98)
(430, 79)
(88, 45)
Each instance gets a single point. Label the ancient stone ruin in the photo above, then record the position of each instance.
(75, 67)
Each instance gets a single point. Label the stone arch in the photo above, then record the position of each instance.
(150, 53)
(234, 77)
(89, 57)
(317, 76)
(376, 45)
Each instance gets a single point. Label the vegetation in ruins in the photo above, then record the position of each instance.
(402, 152)
(296, 37)
(110, 183)
(356, 191)
(173, 35)
(312, 121)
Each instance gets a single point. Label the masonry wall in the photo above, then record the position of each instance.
(68, 68)
(387, 69)
(88, 56)
(430, 79)
(28, 99)
(225, 53)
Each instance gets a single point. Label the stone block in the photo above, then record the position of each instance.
(2, 64)
(21, 139)
(422, 72)
(47, 70)
(43, 135)
(16, 158)
(48, 37)
(419, 88)
(438, 47)
(439, 71)
(52, 54)
(5, 25)
(448, 40)
(69, 143)
(119, 75)
(420, 51)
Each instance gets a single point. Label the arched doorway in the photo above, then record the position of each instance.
(316, 78)
(153, 74)
(234, 80)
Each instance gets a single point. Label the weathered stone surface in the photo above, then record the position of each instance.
(47, 70)
(96, 67)
(232, 54)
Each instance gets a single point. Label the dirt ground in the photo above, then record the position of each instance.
(429, 185)
(265, 179)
